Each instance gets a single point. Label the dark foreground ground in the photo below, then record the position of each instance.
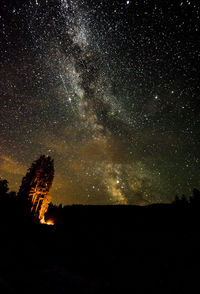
(102, 250)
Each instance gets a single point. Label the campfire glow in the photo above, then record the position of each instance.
(49, 222)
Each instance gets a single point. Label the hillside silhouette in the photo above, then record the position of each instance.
(99, 249)
(181, 214)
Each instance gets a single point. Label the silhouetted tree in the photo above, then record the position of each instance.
(184, 201)
(181, 201)
(36, 185)
(176, 200)
(12, 195)
(3, 187)
(195, 199)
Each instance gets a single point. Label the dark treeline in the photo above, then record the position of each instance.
(30, 203)
(13, 209)
(182, 213)
(100, 249)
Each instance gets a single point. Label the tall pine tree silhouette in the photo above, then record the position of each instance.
(35, 186)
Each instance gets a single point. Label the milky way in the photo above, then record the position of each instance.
(109, 89)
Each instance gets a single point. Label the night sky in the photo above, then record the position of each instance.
(109, 89)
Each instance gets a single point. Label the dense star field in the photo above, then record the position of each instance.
(109, 89)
